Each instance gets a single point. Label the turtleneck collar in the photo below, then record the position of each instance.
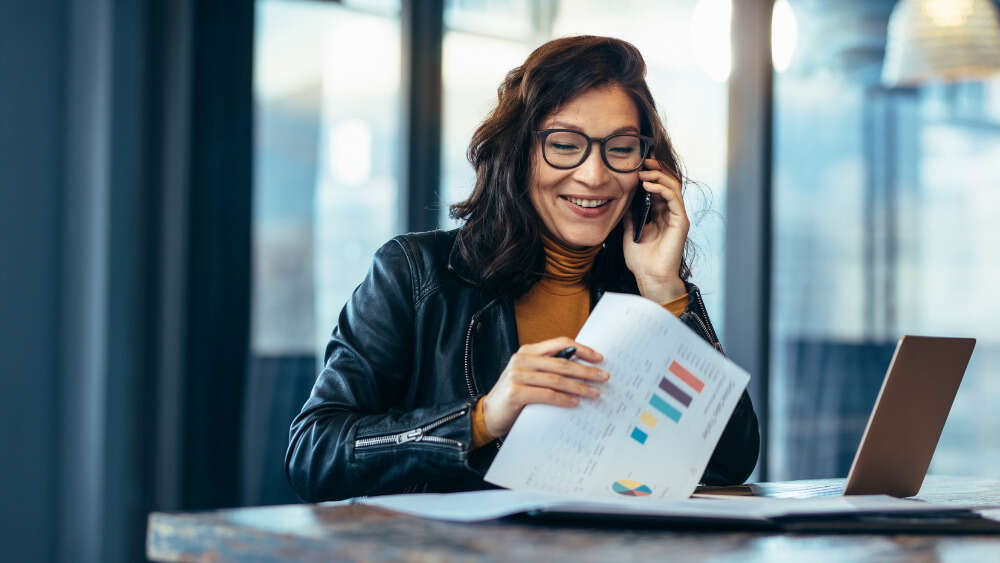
(566, 267)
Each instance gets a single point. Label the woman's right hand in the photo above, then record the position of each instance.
(533, 375)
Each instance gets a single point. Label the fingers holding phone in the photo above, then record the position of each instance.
(668, 208)
(654, 248)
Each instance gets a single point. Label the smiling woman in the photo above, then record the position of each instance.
(452, 333)
(571, 182)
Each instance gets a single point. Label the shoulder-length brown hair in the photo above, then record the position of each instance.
(499, 238)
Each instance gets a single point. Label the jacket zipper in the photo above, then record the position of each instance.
(469, 380)
(708, 330)
(415, 435)
(468, 358)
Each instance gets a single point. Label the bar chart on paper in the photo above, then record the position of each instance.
(655, 425)
(668, 401)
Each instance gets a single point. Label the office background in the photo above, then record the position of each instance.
(191, 190)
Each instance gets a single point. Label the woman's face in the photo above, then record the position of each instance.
(580, 206)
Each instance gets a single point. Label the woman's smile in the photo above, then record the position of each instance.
(587, 207)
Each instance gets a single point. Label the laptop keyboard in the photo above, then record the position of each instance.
(788, 489)
(808, 491)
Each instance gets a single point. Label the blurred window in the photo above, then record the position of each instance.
(885, 225)
(326, 98)
(325, 183)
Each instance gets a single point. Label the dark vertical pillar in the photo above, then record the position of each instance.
(125, 206)
(423, 27)
(32, 79)
(84, 323)
(128, 271)
(111, 272)
(749, 205)
(218, 251)
(169, 92)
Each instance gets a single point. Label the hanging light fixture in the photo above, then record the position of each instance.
(941, 40)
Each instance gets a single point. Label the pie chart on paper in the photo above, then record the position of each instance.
(631, 488)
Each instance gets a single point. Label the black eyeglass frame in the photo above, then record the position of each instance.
(543, 134)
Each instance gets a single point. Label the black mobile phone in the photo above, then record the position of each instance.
(641, 204)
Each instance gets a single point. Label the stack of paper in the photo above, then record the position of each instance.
(488, 505)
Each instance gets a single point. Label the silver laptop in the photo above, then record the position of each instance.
(903, 429)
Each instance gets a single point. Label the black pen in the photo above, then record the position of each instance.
(566, 353)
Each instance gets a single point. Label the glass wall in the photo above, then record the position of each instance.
(326, 113)
(476, 55)
(325, 182)
(884, 206)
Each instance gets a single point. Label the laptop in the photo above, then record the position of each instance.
(902, 431)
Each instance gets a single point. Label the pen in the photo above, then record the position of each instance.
(566, 353)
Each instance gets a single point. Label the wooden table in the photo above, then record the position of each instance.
(337, 531)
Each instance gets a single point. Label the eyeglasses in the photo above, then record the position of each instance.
(566, 148)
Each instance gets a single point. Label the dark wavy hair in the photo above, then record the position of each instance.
(499, 237)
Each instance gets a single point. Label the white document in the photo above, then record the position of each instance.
(473, 506)
(479, 506)
(652, 430)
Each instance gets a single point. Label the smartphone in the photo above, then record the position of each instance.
(641, 203)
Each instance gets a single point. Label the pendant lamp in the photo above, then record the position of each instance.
(947, 40)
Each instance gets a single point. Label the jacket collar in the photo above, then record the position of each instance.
(461, 268)
(457, 264)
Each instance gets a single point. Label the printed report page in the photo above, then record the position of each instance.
(652, 430)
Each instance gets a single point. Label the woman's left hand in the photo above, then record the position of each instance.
(656, 259)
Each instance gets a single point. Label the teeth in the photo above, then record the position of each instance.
(588, 202)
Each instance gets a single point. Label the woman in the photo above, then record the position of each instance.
(452, 333)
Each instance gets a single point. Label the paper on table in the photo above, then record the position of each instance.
(655, 425)
(477, 506)
(472, 506)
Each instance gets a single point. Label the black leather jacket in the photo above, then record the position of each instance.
(414, 348)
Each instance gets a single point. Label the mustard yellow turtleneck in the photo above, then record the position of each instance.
(557, 305)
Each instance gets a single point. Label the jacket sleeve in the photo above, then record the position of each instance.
(351, 439)
(735, 455)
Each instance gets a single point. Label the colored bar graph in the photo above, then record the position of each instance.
(648, 419)
(683, 397)
(687, 377)
(639, 436)
(675, 392)
(665, 407)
